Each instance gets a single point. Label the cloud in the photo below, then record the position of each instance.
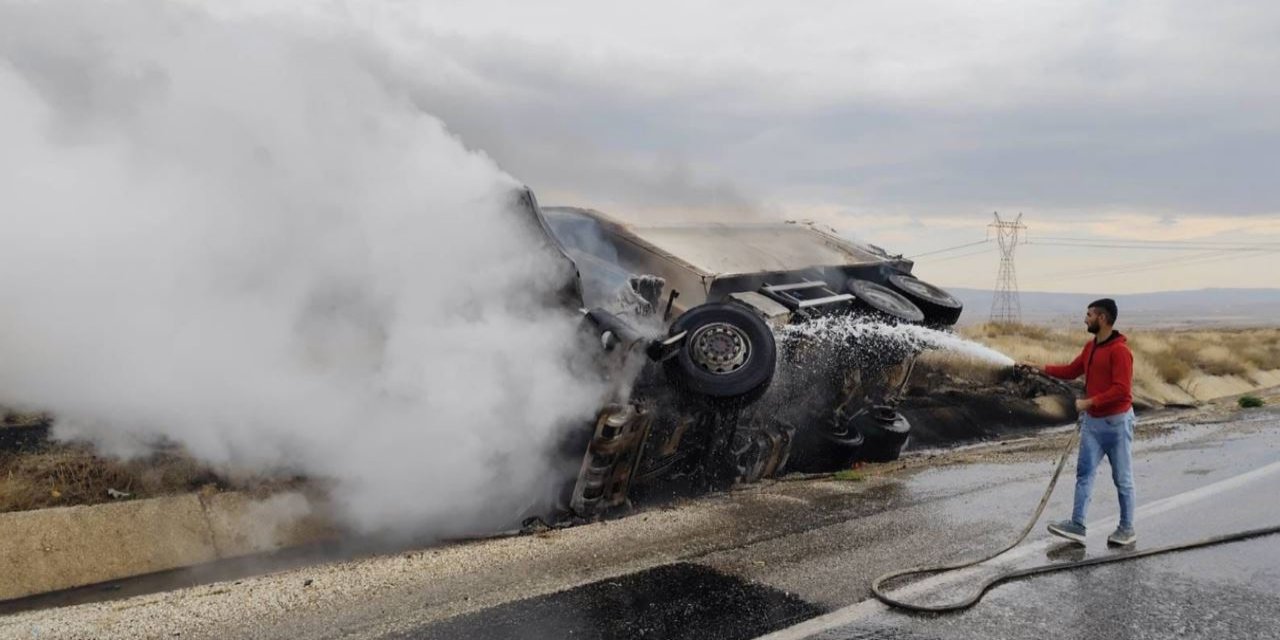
(931, 106)
(864, 115)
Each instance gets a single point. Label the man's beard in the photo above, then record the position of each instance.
(1093, 327)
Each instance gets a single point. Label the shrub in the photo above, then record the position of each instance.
(1264, 357)
(1259, 348)
(1223, 367)
(1146, 379)
(1249, 402)
(1170, 366)
(1033, 332)
(1185, 349)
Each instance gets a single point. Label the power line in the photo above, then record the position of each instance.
(1120, 267)
(959, 246)
(1165, 242)
(1145, 247)
(1197, 262)
(1218, 259)
(1194, 260)
(964, 255)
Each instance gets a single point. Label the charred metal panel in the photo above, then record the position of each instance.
(614, 242)
(536, 223)
(605, 476)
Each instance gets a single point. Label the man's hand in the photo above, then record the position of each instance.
(1083, 404)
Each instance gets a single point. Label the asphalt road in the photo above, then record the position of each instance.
(1228, 591)
(795, 560)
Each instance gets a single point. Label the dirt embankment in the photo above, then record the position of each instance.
(1171, 366)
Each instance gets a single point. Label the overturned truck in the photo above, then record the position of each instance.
(702, 330)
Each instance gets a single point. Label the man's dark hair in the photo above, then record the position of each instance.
(1108, 306)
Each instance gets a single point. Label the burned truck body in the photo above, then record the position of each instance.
(714, 385)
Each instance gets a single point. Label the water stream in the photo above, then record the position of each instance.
(878, 335)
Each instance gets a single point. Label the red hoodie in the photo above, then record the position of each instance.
(1108, 371)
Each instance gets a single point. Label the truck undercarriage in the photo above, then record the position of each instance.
(711, 338)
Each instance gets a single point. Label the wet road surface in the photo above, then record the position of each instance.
(1227, 591)
(795, 560)
(1193, 489)
(1195, 484)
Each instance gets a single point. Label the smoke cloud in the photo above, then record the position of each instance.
(237, 233)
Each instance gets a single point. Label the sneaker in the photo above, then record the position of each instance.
(1069, 530)
(1122, 537)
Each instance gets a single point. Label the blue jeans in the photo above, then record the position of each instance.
(1111, 436)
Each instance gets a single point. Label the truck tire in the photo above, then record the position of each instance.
(819, 449)
(940, 308)
(883, 301)
(886, 432)
(729, 352)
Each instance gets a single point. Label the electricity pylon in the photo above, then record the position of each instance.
(1005, 306)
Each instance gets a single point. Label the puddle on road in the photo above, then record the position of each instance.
(876, 633)
(672, 602)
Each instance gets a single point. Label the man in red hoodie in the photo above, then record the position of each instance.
(1107, 425)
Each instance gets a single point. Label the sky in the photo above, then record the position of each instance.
(906, 124)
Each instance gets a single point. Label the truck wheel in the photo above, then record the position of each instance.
(939, 307)
(883, 301)
(886, 432)
(729, 351)
(820, 449)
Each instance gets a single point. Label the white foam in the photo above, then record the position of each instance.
(914, 337)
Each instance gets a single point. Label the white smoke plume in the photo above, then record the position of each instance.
(238, 233)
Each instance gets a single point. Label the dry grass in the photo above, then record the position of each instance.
(1160, 357)
(9, 418)
(63, 475)
(1262, 354)
(1027, 342)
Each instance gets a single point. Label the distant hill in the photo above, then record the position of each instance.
(1221, 307)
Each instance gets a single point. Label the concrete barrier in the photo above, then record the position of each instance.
(51, 549)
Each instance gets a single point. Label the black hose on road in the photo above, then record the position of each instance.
(877, 585)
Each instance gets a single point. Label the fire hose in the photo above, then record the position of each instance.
(877, 585)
